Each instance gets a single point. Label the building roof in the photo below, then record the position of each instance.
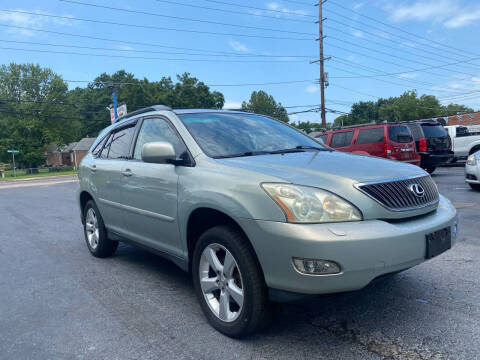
(69, 147)
(84, 145)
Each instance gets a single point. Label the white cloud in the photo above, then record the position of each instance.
(407, 76)
(22, 19)
(277, 7)
(447, 12)
(358, 34)
(358, 6)
(229, 104)
(237, 46)
(463, 19)
(312, 88)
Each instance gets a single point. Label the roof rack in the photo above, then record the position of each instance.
(144, 110)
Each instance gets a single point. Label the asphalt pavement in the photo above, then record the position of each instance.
(59, 302)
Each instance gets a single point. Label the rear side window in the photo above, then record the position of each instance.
(341, 139)
(120, 143)
(367, 136)
(400, 134)
(98, 149)
(416, 130)
(434, 131)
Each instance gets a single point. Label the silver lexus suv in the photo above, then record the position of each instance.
(255, 209)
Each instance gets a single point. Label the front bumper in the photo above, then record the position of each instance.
(364, 249)
(472, 174)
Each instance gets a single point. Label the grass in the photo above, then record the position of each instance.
(22, 174)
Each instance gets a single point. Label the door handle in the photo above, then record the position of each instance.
(127, 172)
(93, 168)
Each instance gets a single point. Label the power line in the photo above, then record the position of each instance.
(208, 52)
(400, 29)
(183, 18)
(153, 27)
(284, 12)
(234, 11)
(148, 58)
(393, 47)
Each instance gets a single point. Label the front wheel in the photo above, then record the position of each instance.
(475, 186)
(229, 283)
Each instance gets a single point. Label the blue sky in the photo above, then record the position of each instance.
(378, 48)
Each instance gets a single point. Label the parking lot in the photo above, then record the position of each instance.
(59, 302)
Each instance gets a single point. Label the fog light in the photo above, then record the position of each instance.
(316, 266)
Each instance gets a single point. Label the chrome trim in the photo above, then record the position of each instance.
(432, 204)
(137, 210)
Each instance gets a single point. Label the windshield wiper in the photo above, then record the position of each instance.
(300, 148)
(248, 153)
(306, 147)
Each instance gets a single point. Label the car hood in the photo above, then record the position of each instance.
(315, 168)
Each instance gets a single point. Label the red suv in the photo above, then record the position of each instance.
(391, 141)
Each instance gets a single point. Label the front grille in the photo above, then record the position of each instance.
(396, 194)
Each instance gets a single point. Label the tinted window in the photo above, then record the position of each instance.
(434, 131)
(341, 139)
(400, 134)
(120, 143)
(156, 129)
(98, 149)
(416, 130)
(367, 136)
(234, 134)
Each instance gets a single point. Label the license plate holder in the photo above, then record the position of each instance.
(438, 242)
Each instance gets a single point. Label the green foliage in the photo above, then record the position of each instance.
(407, 106)
(308, 127)
(28, 120)
(262, 103)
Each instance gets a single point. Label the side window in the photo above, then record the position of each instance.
(367, 136)
(119, 145)
(157, 129)
(98, 149)
(341, 139)
(104, 152)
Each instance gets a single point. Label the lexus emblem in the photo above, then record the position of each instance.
(417, 190)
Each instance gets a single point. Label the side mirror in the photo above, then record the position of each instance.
(158, 152)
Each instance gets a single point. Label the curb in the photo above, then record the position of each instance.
(38, 178)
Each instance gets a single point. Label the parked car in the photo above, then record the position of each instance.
(391, 141)
(433, 144)
(255, 209)
(466, 140)
(472, 170)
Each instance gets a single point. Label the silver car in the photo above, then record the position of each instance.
(472, 171)
(255, 209)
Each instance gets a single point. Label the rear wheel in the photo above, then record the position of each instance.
(95, 232)
(229, 283)
(430, 169)
(475, 186)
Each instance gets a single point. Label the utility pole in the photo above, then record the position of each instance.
(111, 86)
(322, 60)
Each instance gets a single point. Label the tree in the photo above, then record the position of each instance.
(262, 103)
(30, 115)
(407, 106)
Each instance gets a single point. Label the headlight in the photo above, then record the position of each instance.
(472, 160)
(303, 204)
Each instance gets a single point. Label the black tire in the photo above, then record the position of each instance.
(430, 169)
(256, 312)
(475, 186)
(105, 247)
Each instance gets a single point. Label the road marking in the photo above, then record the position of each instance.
(36, 184)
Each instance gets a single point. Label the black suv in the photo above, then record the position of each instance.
(433, 144)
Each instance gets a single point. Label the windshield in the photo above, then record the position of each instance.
(231, 134)
(434, 131)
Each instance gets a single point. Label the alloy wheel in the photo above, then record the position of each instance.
(91, 228)
(221, 282)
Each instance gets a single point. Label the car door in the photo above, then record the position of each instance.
(341, 140)
(150, 191)
(108, 177)
(371, 141)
